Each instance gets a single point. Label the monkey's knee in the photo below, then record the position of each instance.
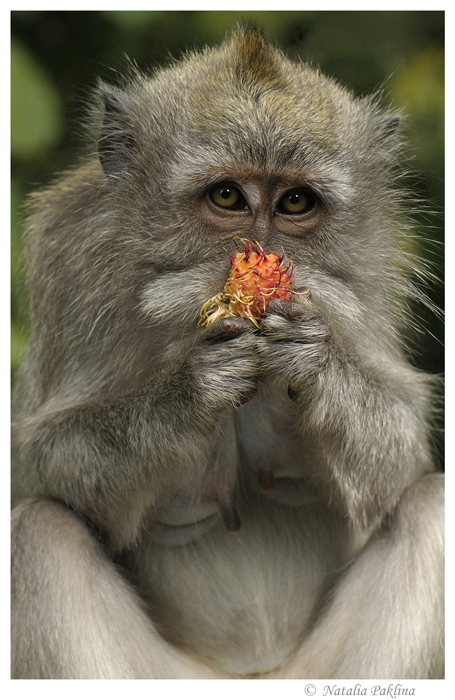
(420, 510)
(44, 529)
(53, 552)
(52, 555)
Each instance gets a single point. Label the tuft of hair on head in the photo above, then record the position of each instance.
(256, 61)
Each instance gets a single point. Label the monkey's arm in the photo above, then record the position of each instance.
(367, 418)
(111, 460)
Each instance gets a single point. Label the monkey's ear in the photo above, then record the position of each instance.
(116, 143)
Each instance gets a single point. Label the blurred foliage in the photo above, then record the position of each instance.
(57, 57)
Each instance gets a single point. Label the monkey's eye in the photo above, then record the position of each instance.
(228, 196)
(297, 201)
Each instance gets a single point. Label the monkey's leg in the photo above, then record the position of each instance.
(73, 615)
(385, 618)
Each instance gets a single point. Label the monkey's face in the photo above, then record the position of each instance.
(240, 142)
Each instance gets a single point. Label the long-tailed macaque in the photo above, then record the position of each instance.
(236, 499)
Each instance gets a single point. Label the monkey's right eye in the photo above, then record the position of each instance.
(228, 196)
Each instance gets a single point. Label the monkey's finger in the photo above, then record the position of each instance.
(290, 308)
(303, 294)
(300, 329)
(282, 307)
(228, 328)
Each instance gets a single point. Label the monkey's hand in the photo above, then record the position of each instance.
(112, 459)
(224, 366)
(295, 342)
(367, 416)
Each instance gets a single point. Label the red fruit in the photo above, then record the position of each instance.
(254, 279)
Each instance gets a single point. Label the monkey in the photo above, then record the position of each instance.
(235, 500)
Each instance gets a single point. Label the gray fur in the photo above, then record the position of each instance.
(142, 442)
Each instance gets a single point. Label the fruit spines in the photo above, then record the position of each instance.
(254, 279)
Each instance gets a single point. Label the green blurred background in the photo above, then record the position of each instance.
(57, 57)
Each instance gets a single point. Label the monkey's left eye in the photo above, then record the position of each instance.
(228, 196)
(297, 201)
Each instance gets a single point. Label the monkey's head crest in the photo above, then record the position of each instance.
(255, 59)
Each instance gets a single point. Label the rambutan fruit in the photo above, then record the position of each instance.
(254, 280)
